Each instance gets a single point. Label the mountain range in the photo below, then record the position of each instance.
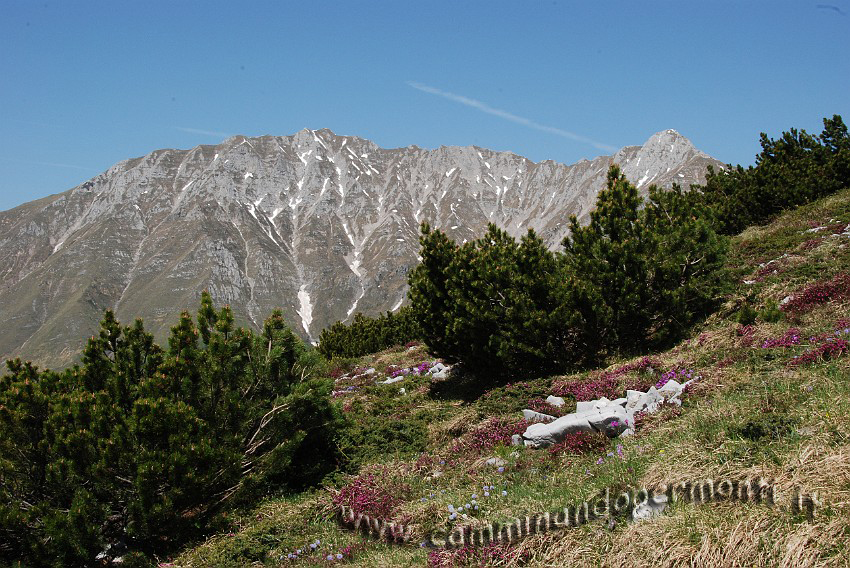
(318, 224)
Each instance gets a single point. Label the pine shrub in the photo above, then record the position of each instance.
(147, 446)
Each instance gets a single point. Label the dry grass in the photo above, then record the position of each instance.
(464, 420)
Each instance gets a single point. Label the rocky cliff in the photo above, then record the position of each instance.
(318, 224)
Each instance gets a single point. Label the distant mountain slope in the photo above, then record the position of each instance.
(320, 225)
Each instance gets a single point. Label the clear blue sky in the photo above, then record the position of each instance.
(86, 84)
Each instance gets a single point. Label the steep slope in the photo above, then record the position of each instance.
(766, 406)
(321, 225)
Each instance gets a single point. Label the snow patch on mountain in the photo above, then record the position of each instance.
(306, 309)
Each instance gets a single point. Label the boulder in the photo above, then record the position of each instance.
(612, 419)
(516, 440)
(496, 462)
(670, 389)
(544, 435)
(555, 400)
(444, 374)
(592, 405)
(392, 380)
(532, 416)
(638, 401)
(437, 368)
(632, 396)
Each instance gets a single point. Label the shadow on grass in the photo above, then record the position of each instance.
(464, 386)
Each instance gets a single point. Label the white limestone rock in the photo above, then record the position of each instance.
(639, 402)
(612, 419)
(592, 405)
(671, 386)
(532, 416)
(555, 400)
(544, 435)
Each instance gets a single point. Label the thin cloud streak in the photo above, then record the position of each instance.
(484, 107)
(204, 132)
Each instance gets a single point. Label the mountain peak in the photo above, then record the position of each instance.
(321, 225)
(667, 137)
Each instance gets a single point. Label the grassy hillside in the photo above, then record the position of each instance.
(771, 401)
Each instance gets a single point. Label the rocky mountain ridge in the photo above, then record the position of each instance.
(321, 225)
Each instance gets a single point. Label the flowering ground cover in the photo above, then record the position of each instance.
(835, 289)
(638, 375)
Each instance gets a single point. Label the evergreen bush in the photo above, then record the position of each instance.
(493, 303)
(638, 275)
(641, 272)
(795, 169)
(367, 335)
(145, 446)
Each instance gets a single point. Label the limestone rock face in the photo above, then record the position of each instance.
(320, 225)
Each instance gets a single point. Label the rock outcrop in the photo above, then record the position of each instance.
(611, 417)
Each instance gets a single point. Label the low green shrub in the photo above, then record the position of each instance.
(149, 446)
(373, 440)
(367, 335)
